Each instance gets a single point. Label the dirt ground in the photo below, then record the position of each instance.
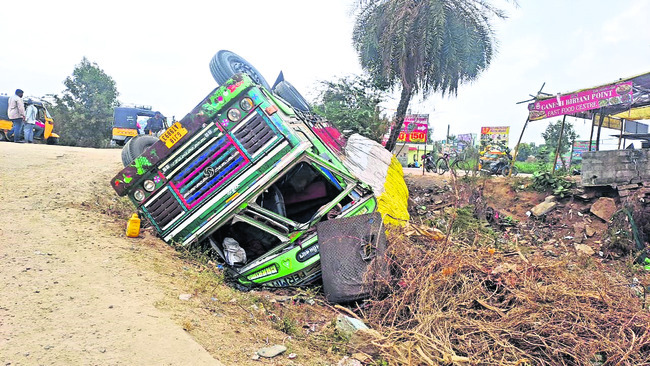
(75, 290)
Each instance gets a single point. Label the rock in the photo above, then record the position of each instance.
(578, 230)
(584, 250)
(292, 356)
(589, 231)
(604, 208)
(364, 358)
(283, 298)
(543, 208)
(624, 193)
(270, 352)
(184, 297)
(347, 326)
(550, 198)
(628, 186)
(361, 341)
(347, 361)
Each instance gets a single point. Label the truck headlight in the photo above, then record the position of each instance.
(149, 185)
(246, 104)
(138, 195)
(234, 114)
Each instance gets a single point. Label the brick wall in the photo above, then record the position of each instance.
(615, 167)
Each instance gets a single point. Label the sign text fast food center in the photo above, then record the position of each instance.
(581, 101)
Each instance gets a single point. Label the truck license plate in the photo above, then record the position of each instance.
(124, 131)
(173, 134)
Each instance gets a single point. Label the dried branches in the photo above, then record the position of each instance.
(455, 305)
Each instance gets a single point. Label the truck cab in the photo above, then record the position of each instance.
(248, 177)
(43, 128)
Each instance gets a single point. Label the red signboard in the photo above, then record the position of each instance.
(414, 129)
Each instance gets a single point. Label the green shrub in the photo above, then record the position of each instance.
(545, 181)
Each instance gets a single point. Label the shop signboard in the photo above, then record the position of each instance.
(495, 135)
(415, 129)
(581, 101)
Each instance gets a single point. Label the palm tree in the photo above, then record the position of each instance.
(423, 46)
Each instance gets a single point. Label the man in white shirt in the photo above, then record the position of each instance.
(31, 114)
(16, 113)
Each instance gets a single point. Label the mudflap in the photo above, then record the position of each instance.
(353, 257)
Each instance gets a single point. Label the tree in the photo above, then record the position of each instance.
(430, 136)
(423, 46)
(552, 136)
(85, 109)
(352, 103)
(525, 150)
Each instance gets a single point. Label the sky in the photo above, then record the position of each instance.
(158, 52)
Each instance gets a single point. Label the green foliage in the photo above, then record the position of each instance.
(352, 103)
(552, 137)
(543, 158)
(84, 111)
(468, 160)
(545, 181)
(423, 46)
(467, 228)
(530, 168)
(525, 150)
(287, 324)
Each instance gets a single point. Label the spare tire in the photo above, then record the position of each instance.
(225, 64)
(135, 147)
(287, 92)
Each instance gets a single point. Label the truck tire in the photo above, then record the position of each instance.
(225, 64)
(287, 92)
(135, 147)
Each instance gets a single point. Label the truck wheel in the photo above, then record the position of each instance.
(135, 147)
(287, 92)
(126, 157)
(225, 64)
(52, 140)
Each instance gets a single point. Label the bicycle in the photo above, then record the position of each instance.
(444, 163)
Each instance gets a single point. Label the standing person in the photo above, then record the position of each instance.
(16, 113)
(154, 124)
(30, 119)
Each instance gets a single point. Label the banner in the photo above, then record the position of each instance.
(579, 147)
(581, 101)
(495, 135)
(464, 140)
(414, 129)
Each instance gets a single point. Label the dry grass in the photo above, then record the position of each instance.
(466, 305)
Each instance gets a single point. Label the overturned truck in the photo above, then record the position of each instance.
(251, 177)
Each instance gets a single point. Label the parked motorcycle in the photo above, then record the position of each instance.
(428, 162)
(500, 166)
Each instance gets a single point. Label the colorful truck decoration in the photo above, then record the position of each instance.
(249, 176)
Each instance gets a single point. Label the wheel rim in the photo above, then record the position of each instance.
(243, 68)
